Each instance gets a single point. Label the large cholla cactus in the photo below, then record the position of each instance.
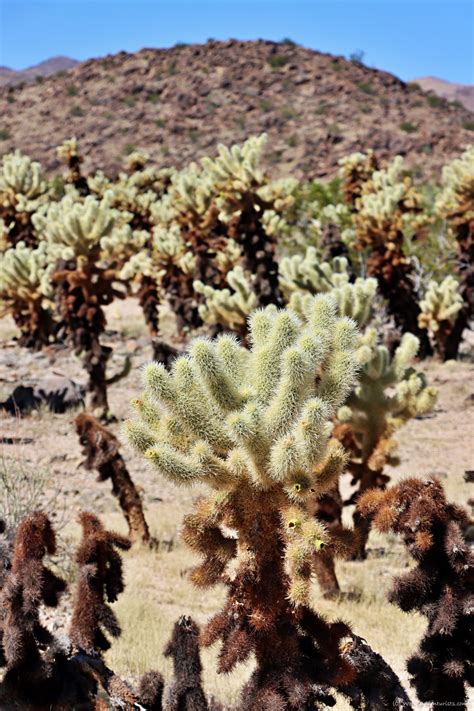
(26, 292)
(255, 426)
(388, 208)
(22, 189)
(439, 310)
(439, 586)
(389, 393)
(456, 204)
(91, 242)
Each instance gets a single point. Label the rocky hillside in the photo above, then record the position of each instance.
(36, 72)
(463, 93)
(179, 103)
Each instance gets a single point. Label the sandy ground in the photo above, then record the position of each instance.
(157, 590)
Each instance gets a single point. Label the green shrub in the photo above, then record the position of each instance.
(293, 141)
(128, 148)
(288, 41)
(435, 101)
(413, 86)
(39, 79)
(287, 112)
(129, 101)
(77, 111)
(11, 99)
(72, 90)
(357, 57)
(276, 61)
(408, 127)
(366, 87)
(468, 125)
(266, 105)
(4, 134)
(153, 97)
(160, 123)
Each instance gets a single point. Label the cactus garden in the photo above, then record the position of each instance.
(236, 433)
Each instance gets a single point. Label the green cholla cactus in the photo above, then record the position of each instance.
(439, 309)
(22, 190)
(254, 425)
(226, 307)
(90, 241)
(26, 292)
(390, 392)
(300, 277)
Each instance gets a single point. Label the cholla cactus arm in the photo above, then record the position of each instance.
(26, 291)
(228, 308)
(439, 309)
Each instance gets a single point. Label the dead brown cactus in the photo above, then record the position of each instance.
(100, 582)
(440, 586)
(101, 451)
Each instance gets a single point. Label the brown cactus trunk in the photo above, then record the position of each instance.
(101, 449)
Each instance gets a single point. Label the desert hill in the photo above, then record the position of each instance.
(178, 103)
(449, 90)
(43, 69)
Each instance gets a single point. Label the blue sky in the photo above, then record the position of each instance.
(410, 38)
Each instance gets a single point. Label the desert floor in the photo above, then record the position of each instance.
(157, 589)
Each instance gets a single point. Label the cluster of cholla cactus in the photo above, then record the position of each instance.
(456, 204)
(440, 307)
(22, 189)
(440, 586)
(254, 425)
(26, 292)
(387, 210)
(90, 242)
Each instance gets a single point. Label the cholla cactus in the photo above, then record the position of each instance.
(255, 426)
(26, 292)
(439, 309)
(226, 307)
(300, 277)
(91, 241)
(355, 170)
(455, 204)
(69, 153)
(390, 392)
(387, 210)
(439, 586)
(22, 190)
